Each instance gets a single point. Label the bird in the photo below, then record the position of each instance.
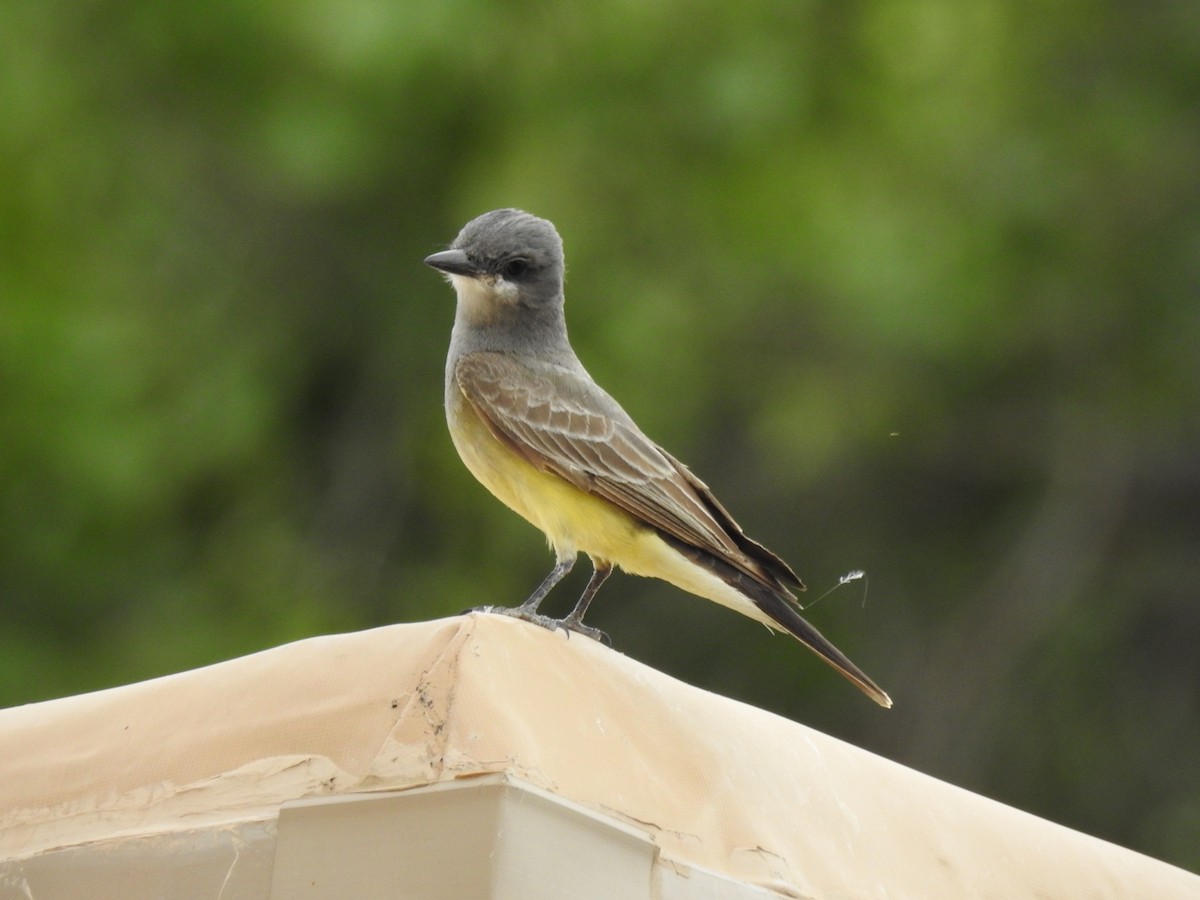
(540, 434)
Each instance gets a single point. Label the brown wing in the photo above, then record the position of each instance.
(562, 422)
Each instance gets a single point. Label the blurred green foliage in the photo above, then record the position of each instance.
(915, 286)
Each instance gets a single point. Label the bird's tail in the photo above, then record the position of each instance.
(783, 612)
(778, 604)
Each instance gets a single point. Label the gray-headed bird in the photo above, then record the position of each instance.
(552, 445)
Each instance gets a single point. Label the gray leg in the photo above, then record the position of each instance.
(574, 621)
(527, 611)
(557, 574)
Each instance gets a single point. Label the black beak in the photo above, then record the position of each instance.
(452, 262)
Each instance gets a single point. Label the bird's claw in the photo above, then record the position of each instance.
(550, 624)
(569, 624)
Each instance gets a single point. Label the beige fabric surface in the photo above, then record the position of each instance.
(718, 784)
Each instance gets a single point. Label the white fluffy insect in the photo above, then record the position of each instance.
(854, 575)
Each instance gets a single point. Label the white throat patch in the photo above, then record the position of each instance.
(480, 299)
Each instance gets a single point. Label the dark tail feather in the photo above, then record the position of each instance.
(785, 614)
(776, 602)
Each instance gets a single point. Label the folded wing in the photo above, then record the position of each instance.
(561, 422)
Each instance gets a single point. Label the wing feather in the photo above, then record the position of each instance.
(560, 421)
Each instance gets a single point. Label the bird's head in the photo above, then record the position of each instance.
(504, 264)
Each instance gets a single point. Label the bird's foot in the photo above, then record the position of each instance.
(549, 623)
(520, 612)
(570, 623)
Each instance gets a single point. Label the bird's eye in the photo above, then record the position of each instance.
(515, 268)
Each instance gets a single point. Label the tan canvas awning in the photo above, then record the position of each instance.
(183, 777)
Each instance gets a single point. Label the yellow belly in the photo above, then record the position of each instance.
(573, 520)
